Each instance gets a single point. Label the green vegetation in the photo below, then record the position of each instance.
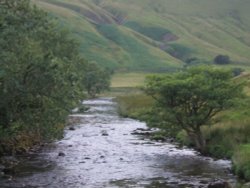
(128, 80)
(226, 136)
(156, 33)
(192, 98)
(96, 79)
(222, 59)
(145, 35)
(134, 105)
(241, 161)
(41, 76)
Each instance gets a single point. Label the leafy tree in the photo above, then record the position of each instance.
(222, 60)
(40, 72)
(96, 79)
(237, 71)
(191, 99)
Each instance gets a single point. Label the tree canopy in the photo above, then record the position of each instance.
(222, 60)
(95, 79)
(41, 73)
(192, 98)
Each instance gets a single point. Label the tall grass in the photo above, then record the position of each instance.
(224, 138)
(241, 160)
(134, 105)
(132, 80)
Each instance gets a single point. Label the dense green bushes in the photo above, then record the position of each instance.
(41, 76)
(241, 161)
(96, 79)
(38, 75)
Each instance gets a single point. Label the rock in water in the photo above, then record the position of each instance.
(1, 168)
(247, 185)
(219, 184)
(9, 171)
(72, 128)
(104, 133)
(61, 154)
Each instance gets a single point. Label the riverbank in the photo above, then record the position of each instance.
(104, 143)
(228, 137)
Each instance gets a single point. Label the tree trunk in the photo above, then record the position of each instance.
(198, 140)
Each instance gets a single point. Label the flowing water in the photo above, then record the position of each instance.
(102, 152)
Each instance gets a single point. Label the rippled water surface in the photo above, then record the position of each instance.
(102, 152)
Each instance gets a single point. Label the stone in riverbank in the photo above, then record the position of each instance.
(72, 128)
(8, 164)
(61, 154)
(219, 184)
(104, 133)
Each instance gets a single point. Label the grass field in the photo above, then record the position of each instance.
(155, 36)
(123, 84)
(128, 80)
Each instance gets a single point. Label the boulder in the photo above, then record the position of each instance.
(104, 133)
(72, 128)
(1, 168)
(9, 171)
(61, 154)
(9, 161)
(246, 185)
(142, 129)
(219, 184)
(8, 165)
(141, 133)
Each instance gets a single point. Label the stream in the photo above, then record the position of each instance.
(102, 152)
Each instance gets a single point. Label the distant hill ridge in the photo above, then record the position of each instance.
(159, 35)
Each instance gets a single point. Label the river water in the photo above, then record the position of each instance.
(102, 152)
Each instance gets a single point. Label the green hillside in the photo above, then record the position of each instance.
(146, 35)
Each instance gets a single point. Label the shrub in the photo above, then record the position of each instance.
(237, 71)
(179, 51)
(241, 161)
(222, 60)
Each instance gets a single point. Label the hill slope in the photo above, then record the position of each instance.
(146, 35)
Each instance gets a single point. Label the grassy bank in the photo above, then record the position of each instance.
(127, 80)
(228, 136)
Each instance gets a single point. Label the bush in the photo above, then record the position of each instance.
(184, 139)
(222, 60)
(237, 71)
(241, 161)
(179, 51)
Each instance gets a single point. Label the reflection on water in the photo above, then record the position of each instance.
(101, 152)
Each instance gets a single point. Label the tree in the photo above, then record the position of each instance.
(191, 99)
(222, 60)
(95, 79)
(40, 78)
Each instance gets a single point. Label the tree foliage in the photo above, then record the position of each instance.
(222, 60)
(192, 98)
(40, 71)
(96, 79)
